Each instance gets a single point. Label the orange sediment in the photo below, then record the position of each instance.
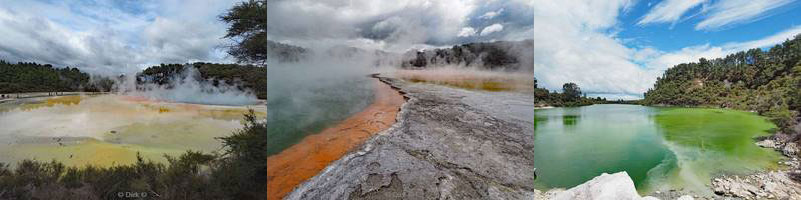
(301, 161)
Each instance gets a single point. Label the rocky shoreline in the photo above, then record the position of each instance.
(448, 143)
(777, 184)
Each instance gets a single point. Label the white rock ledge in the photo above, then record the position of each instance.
(606, 186)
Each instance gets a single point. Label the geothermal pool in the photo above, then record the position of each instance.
(660, 148)
(300, 108)
(110, 129)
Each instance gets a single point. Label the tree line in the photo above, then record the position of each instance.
(246, 77)
(571, 96)
(767, 82)
(34, 77)
(499, 55)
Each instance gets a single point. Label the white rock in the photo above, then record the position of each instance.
(606, 186)
(790, 149)
(686, 197)
(766, 143)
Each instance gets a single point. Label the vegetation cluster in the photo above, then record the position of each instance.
(246, 77)
(571, 96)
(247, 31)
(499, 55)
(766, 82)
(34, 77)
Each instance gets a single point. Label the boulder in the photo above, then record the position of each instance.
(606, 186)
(790, 149)
(767, 143)
(766, 185)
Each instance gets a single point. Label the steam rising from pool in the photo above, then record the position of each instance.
(148, 119)
(188, 87)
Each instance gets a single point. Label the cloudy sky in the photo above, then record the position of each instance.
(617, 48)
(397, 25)
(112, 36)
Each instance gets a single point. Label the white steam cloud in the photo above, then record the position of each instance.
(188, 87)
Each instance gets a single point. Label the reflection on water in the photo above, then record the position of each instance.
(569, 119)
(111, 129)
(659, 148)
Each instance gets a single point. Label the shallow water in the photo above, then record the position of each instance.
(111, 129)
(660, 148)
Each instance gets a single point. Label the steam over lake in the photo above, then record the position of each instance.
(299, 107)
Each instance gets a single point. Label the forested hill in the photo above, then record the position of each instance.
(34, 77)
(766, 82)
(285, 53)
(249, 77)
(500, 55)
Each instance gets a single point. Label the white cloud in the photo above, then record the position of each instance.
(573, 45)
(768, 41)
(669, 11)
(724, 13)
(693, 53)
(491, 14)
(491, 29)
(111, 37)
(467, 32)
(413, 22)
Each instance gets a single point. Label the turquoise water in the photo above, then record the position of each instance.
(300, 106)
(660, 148)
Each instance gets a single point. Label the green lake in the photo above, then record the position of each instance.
(660, 148)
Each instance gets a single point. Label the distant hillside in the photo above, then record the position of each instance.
(500, 55)
(34, 77)
(766, 82)
(249, 77)
(285, 53)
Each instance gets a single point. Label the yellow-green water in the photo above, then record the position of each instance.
(660, 148)
(111, 129)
